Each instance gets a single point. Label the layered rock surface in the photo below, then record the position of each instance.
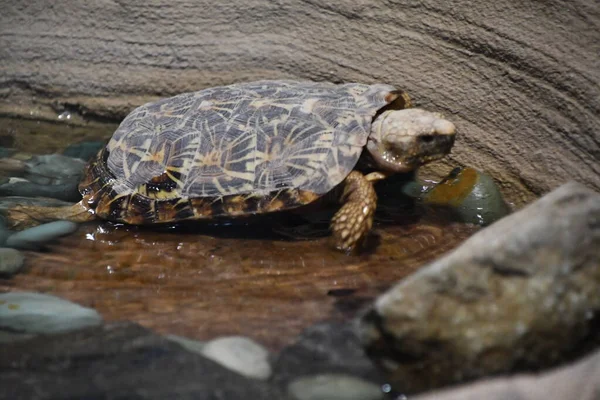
(520, 79)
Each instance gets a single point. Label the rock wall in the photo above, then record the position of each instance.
(520, 78)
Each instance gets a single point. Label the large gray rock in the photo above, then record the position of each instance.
(519, 78)
(118, 361)
(521, 294)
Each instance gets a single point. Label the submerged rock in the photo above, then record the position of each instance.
(53, 175)
(11, 261)
(20, 187)
(122, 361)
(334, 387)
(26, 312)
(46, 169)
(34, 238)
(239, 354)
(472, 195)
(53, 169)
(466, 194)
(521, 294)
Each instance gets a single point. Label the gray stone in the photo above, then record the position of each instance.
(325, 348)
(40, 313)
(65, 191)
(523, 293)
(334, 387)
(239, 354)
(54, 169)
(118, 361)
(11, 261)
(35, 237)
(519, 77)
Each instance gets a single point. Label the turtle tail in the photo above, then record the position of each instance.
(26, 216)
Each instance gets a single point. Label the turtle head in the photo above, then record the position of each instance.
(403, 140)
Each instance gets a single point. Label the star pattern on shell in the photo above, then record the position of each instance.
(230, 150)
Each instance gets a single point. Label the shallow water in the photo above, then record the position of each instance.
(266, 279)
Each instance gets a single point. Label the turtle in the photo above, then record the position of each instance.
(254, 148)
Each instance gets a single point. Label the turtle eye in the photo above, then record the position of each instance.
(426, 138)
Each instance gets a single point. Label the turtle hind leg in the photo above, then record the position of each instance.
(353, 221)
(26, 216)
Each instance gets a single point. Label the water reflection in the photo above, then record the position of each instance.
(250, 279)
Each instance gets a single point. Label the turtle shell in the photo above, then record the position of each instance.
(233, 150)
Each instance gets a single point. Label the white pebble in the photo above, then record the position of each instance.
(40, 313)
(241, 355)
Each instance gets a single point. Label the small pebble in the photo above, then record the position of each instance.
(11, 261)
(20, 187)
(241, 355)
(28, 312)
(333, 387)
(33, 238)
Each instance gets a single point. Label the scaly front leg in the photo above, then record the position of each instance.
(351, 224)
